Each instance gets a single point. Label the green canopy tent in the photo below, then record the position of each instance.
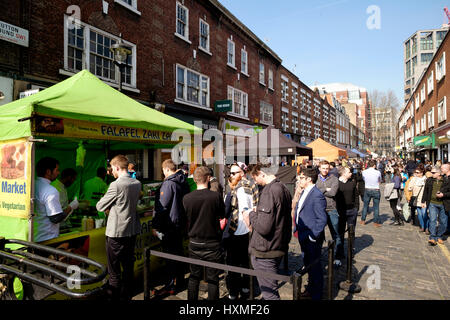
(82, 111)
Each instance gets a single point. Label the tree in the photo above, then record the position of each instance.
(385, 107)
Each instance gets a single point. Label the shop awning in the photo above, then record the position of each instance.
(425, 141)
(83, 100)
(362, 155)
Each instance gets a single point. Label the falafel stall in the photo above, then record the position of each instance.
(82, 122)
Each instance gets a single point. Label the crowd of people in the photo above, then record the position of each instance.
(249, 222)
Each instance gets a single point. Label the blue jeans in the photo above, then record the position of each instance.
(423, 217)
(333, 225)
(370, 194)
(437, 212)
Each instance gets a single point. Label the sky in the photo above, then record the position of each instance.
(325, 41)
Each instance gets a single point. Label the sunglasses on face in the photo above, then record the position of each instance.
(434, 172)
(233, 173)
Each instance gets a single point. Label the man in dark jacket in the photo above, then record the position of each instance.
(170, 221)
(272, 226)
(310, 221)
(410, 167)
(433, 187)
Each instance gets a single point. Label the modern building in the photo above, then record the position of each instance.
(419, 49)
(347, 93)
(424, 127)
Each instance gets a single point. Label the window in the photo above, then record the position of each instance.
(430, 82)
(129, 4)
(261, 73)
(440, 35)
(270, 79)
(295, 121)
(87, 47)
(442, 110)
(294, 96)
(414, 65)
(423, 124)
(426, 41)
(431, 118)
(284, 89)
(192, 87)
(284, 118)
(353, 95)
(408, 69)
(440, 68)
(231, 56)
(244, 62)
(266, 113)
(425, 58)
(204, 36)
(417, 101)
(408, 49)
(240, 102)
(422, 94)
(182, 22)
(414, 45)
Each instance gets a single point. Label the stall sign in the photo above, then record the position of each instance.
(14, 34)
(50, 126)
(15, 178)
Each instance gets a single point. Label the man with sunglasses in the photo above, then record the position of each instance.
(244, 197)
(431, 192)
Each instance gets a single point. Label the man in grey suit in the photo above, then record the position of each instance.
(122, 227)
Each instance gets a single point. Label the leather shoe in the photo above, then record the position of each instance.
(363, 223)
(305, 295)
(432, 242)
(440, 241)
(376, 225)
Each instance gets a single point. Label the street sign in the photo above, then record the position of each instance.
(14, 34)
(223, 106)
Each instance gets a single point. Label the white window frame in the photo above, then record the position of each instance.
(295, 121)
(186, 36)
(422, 94)
(262, 73)
(262, 111)
(417, 101)
(442, 110)
(232, 65)
(431, 118)
(284, 118)
(418, 127)
(244, 53)
(87, 53)
(423, 124)
(244, 100)
(284, 89)
(206, 50)
(270, 80)
(430, 82)
(132, 7)
(185, 100)
(440, 72)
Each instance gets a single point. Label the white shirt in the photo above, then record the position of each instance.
(371, 178)
(303, 198)
(47, 204)
(245, 200)
(63, 198)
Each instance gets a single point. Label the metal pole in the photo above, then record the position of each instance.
(296, 286)
(120, 78)
(330, 269)
(348, 285)
(147, 273)
(252, 292)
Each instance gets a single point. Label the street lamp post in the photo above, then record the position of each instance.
(120, 54)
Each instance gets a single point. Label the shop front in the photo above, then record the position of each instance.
(442, 141)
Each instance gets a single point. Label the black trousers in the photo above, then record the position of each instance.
(237, 255)
(313, 251)
(172, 243)
(120, 254)
(346, 218)
(393, 204)
(211, 252)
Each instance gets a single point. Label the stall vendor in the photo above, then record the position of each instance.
(95, 188)
(68, 177)
(49, 212)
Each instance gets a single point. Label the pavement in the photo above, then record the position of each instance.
(390, 263)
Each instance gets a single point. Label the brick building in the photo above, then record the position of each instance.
(424, 129)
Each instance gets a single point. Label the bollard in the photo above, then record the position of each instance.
(147, 274)
(331, 245)
(2, 243)
(296, 286)
(348, 285)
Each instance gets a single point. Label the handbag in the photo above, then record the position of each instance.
(413, 200)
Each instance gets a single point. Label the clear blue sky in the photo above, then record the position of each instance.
(328, 40)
